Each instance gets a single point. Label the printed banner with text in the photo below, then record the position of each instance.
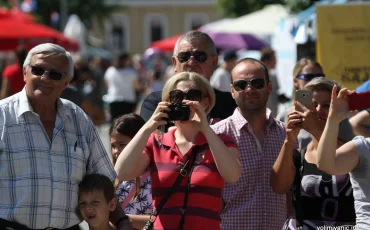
(343, 42)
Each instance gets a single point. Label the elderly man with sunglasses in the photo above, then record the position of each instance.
(194, 52)
(251, 203)
(47, 145)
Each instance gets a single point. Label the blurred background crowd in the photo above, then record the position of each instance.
(122, 49)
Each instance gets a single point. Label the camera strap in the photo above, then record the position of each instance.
(184, 171)
(183, 210)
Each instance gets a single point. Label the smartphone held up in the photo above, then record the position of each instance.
(304, 97)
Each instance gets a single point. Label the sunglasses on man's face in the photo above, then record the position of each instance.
(256, 83)
(199, 56)
(39, 71)
(177, 96)
(309, 76)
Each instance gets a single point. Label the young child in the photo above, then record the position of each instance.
(135, 196)
(96, 200)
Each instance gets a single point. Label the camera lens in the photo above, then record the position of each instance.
(179, 113)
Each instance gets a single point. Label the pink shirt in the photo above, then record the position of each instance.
(251, 203)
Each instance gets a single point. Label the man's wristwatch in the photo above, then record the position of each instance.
(121, 220)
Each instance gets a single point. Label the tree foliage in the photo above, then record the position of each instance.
(297, 6)
(237, 8)
(85, 10)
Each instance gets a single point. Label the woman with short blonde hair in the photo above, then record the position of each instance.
(190, 151)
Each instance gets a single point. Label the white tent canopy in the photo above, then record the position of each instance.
(262, 22)
(214, 25)
(75, 29)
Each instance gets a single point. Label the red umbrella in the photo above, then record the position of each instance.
(29, 34)
(15, 15)
(166, 45)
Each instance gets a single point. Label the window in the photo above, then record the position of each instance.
(155, 28)
(119, 33)
(195, 20)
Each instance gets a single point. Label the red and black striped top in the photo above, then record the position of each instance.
(204, 199)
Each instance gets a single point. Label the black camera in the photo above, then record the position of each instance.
(179, 112)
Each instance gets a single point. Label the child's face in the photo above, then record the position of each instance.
(95, 209)
(117, 143)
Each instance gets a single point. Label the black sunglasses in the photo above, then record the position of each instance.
(39, 71)
(177, 96)
(200, 56)
(256, 83)
(309, 76)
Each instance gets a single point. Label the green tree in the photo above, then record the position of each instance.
(86, 10)
(297, 6)
(237, 8)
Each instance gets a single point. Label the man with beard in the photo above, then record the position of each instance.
(250, 203)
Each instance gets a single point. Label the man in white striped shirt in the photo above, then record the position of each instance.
(47, 145)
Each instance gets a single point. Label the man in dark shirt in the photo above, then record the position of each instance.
(194, 52)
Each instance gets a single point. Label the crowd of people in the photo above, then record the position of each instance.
(205, 152)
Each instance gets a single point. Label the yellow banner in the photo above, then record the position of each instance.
(343, 42)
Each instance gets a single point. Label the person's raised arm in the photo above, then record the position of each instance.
(360, 123)
(226, 159)
(283, 170)
(133, 161)
(346, 158)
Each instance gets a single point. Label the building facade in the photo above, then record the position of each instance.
(137, 23)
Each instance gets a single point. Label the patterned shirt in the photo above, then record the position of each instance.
(142, 205)
(39, 178)
(251, 203)
(204, 198)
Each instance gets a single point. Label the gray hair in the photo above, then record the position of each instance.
(50, 49)
(322, 84)
(192, 35)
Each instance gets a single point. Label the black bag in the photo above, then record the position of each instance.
(184, 171)
(296, 190)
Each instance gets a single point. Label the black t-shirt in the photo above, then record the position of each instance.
(324, 197)
(224, 107)
(73, 94)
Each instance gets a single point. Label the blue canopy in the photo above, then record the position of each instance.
(308, 17)
(311, 11)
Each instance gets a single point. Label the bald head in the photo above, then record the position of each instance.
(250, 64)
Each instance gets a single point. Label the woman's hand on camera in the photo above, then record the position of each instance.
(200, 117)
(158, 118)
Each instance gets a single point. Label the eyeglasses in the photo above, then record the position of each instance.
(256, 83)
(177, 96)
(39, 71)
(199, 56)
(309, 76)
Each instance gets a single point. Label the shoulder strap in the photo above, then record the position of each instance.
(297, 191)
(183, 210)
(182, 173)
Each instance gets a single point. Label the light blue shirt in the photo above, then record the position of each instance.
(360, 179)
(39, 178)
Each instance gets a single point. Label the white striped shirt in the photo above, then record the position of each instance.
(38, 178)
